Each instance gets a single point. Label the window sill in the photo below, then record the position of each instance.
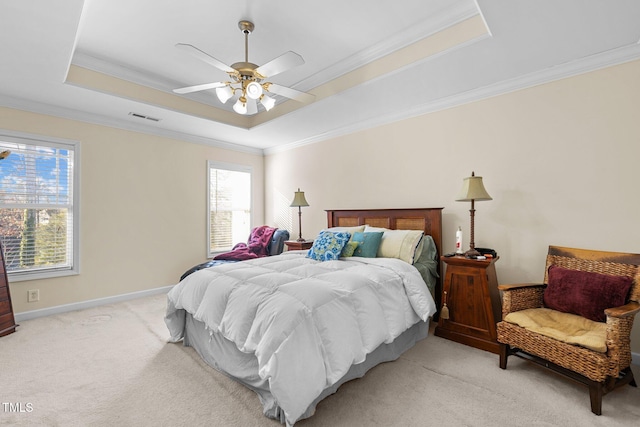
(37, 275)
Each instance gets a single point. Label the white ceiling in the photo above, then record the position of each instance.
(368, 63)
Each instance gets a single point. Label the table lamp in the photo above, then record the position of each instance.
(299, 201)
(472, 190)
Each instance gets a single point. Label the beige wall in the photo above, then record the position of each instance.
(142, 209)
(560, 161)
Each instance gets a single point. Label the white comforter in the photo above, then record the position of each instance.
(306, 321)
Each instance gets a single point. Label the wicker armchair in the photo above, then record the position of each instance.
(602, 372)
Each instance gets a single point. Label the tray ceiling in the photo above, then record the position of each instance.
(114, 62)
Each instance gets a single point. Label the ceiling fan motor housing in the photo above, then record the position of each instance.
(247, 70)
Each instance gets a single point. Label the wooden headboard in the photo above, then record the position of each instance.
(428, 220)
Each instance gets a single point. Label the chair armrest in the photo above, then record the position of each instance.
(619, 324)
(521, 296)
(626, 310)
(276, 245)
(520, 285)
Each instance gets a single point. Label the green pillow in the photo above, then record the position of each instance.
(349, 249)
(368, 243)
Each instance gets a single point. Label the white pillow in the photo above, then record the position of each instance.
(370, 229)
(350, 230)
(401, 244)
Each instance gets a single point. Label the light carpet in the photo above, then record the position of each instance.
(112, 365)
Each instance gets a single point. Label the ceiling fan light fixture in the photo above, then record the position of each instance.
(248, 78)
(240, 106)
(267, 102)
(254, 90)
(224, 93)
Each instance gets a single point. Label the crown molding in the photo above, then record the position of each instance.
(443, 19)
(82, 116)
(573, 68)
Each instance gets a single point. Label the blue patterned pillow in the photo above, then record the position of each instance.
(368, 244)
(328, 245)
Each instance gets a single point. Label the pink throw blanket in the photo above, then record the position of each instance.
(257, 247)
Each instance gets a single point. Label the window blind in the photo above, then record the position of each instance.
(36, 206)
(229, 207)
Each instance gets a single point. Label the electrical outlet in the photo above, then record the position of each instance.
(33, 295)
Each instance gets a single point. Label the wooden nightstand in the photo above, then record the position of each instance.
(474, 303)
(294, 245)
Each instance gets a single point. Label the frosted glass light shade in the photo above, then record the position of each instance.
(240, 106)
(267, 102)
(224, 93)
(254, 90)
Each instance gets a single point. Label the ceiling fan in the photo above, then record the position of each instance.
(248, 78)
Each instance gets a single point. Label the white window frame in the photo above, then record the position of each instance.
(211, 164)
(74, 269)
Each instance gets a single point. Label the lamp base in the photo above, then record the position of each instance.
(300, 239)
(472, 253)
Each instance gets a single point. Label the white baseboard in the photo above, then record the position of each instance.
(33, 314)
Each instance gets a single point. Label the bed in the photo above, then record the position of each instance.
(294, 329)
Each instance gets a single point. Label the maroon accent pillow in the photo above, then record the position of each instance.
(585, 294)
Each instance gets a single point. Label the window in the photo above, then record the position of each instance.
(38, 202)
(228, 207)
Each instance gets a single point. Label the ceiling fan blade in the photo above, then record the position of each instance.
(252, 106)
(282, 63)
(197, 88)
(203, 56)
(291, 93)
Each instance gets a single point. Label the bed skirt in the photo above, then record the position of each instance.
(223, 355)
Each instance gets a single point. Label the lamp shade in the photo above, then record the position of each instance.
(299, 200)
(240, 106)
(224, 93)
(254, 90)
(472, 189)
(267, 102)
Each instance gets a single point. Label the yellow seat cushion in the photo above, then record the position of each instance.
(565, 327)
